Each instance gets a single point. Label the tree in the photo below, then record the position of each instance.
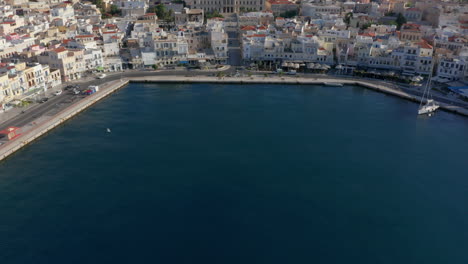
(289, 14)
(155, 67)
(347, 18)
(400, 20)
(365, 26)
(161, 11)
(114, 10)
(98, 3)
(213, 15)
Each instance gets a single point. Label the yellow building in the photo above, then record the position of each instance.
(5, 90)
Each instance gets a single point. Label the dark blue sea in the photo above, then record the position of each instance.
(210, 173)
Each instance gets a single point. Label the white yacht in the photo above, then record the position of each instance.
(428, 108)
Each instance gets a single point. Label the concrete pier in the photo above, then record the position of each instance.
(110, 87)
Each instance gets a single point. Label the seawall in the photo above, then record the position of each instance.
(40, 129)
(373, 85)
(12, 146)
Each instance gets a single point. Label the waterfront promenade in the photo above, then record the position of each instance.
(39, 125)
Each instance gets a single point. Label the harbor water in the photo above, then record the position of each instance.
(209, 173)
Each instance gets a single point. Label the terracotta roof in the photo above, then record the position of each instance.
(61, 49)
(84, 36)
(423, 44)
(110, 32)
(367, 34)
(411, 26)
(248, 28)
(413, 9)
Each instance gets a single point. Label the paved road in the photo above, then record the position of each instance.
(234, 49)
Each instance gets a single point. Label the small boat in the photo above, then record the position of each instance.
(108, 130)
(428, 108)
(333, 84)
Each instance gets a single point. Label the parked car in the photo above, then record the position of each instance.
(101, 76)
(43, 100)
(57, 93)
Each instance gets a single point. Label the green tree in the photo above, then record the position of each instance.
(98, 3)
(347, 18)
(114, 10)
(155, 67)
(161, 11)
(289, 14)
(365, 26)
(213, 15)
(400, 20)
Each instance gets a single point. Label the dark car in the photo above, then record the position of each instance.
(43, 100)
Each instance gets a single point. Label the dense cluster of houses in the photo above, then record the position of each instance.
(366, 35)
(48, 42)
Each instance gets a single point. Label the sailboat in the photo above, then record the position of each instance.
(430, 105)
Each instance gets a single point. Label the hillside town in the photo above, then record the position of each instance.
(45, 44)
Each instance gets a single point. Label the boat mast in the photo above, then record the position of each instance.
(428, 84)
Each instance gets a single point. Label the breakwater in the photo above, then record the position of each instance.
(40, 129)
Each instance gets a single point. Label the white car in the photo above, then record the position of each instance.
(59, 92)
(101, 76)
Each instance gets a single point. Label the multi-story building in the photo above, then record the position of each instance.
(218, 39)
(132, 8)
(226, 6)
(278, 7)
(410, 32)
(413, 14)
(453, 69)
(70, 62)
(189, 17)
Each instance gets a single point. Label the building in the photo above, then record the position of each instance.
(452, 69)
(191, 17)
(226, 6)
